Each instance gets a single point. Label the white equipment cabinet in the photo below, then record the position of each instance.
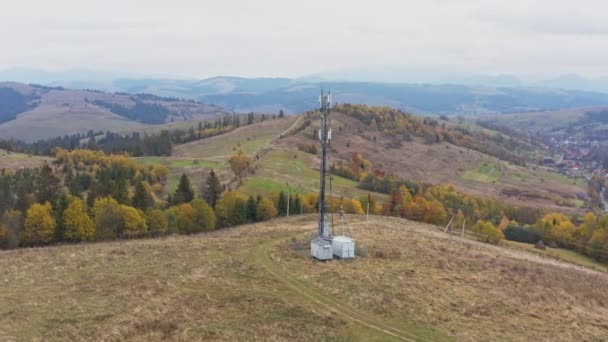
(321, 249)
(343, 247)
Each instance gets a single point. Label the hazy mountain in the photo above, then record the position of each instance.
(30, 112)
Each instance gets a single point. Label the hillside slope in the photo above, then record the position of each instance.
(30, 112)
(469, 170)
(257, 283)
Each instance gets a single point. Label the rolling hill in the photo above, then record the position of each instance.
(31, 112)
(299, 95)
(257, 282)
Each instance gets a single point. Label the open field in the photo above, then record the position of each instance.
(297, 172)
(256, 283)
(14, 161)
(250, 139)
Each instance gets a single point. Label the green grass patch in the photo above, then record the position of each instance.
(280, 167)
(485, 172)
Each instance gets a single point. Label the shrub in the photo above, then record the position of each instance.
(521, 234)
(487, 232)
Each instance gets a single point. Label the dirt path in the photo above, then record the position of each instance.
(383, 328)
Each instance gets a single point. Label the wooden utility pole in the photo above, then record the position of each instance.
(449, 224)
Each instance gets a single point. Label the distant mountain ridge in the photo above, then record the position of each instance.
(30, 112)
(299, 95)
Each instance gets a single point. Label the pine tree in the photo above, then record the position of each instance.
(252, 208)
(184, 192)
(239, 213)
(282, 204)
(121, 189)
(212, 189)
(297, 205)
(48, 185)
(61, 205)
(141, 198)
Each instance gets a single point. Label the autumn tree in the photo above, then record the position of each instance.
(12, 226)
(157, 220)
(78, 224)
(205, 217)
(133, 221)
(39, 224)
(195, 217)
(108, 218)
(239, 163)
(266, 210)
(230, 209)
(212, 189)
(487, 232)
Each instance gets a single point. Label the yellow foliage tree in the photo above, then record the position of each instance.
(39, 224)
(239, 163)
(352, 206)
(225, 207)
(78, 224)
(108, 218)
(266, 210)
(133, 220)
(157, 220)
(486, 232)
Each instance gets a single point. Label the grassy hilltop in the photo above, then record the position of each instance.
(256, 282)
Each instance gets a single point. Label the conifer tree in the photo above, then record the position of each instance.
(282, 204)
(239, 213)
(297, 205)
(61, 205)
(184, 192)
(212, 189)
(121, 190)
(141, 198)
(48, 185)
(252, 208)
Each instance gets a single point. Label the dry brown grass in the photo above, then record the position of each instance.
(217, 286)
(14, 161)
(470, 291)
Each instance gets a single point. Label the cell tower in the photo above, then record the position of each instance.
(324, 245)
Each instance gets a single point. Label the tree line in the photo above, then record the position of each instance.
(135, 144)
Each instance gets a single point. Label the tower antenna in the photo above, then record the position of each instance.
(324, 245)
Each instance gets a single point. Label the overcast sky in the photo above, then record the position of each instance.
(200, 38)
